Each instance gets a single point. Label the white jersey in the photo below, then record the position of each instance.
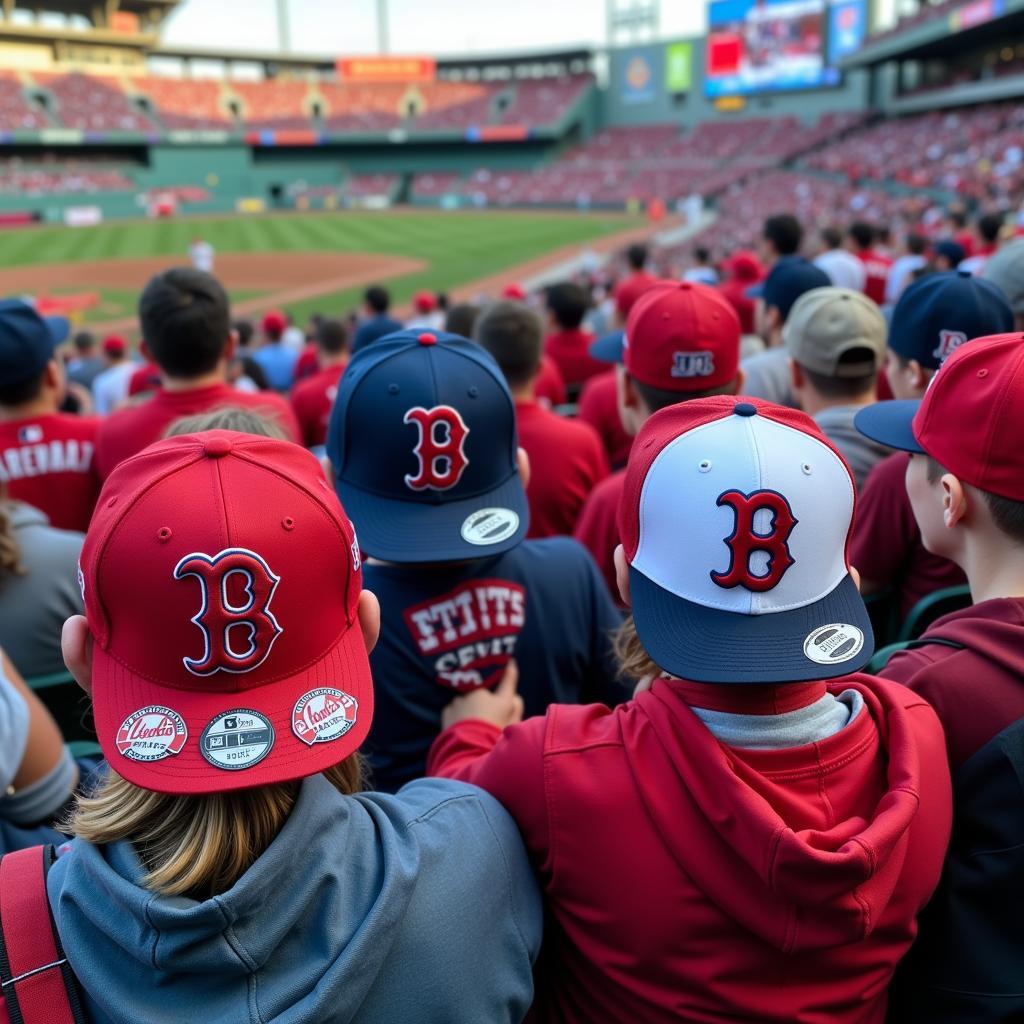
(201, 254)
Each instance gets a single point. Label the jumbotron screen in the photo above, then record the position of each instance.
(776, 45)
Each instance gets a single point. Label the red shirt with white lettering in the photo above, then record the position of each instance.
(48, 461)
(566, 461)
(570, 351)
(128, 431)
(312, 400)
(599, 406)
(597, 528)
(876, 267)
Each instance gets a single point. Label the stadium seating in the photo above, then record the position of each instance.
(93, 104)
(70, 178)
(16, 114)
(274, 104)
(196, 104)
(362, 186)
(544, 101)
(454, 105)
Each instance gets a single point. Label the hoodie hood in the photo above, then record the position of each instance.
(796, 845)
(992, 631)
(311, 933)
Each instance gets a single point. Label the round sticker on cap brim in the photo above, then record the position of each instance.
(237, 739)
(323, 715)
(833, 644)
(489, 526)
(151, 734)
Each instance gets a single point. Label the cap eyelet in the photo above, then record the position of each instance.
(704, 465)
(164, 534)
(983, 373)
(473, 392)
(288, 523)
(805, 468)
(392, 389)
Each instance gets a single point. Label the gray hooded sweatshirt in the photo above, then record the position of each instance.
(418, 907)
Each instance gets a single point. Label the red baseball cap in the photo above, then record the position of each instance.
(424, 302)
(115, 345)
(513, 291)
(971, 418)
(745, 266)
(682, 337)
(274, 322)
(629, 290)
(221, 579)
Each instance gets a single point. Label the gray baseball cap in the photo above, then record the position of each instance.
(1005, 269)
(827, 323)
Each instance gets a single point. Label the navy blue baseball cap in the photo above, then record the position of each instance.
(27, 341)
(939, 312)
(608, 349)
(423, 444)
(790, 278)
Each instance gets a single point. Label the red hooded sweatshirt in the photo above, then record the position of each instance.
(690, 880)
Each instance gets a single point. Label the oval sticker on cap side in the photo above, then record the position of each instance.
(237, 739)
(323, 715)
(151, 734)
(490, 526)
(833, 644)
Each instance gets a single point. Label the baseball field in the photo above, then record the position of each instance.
(302, 262)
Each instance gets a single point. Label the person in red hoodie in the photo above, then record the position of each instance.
(186, 331)
(567, 344)
(566, 457)
(752, 836)
(965, 482)
(313, 398)
(684, 343)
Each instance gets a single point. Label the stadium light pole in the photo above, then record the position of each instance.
(382, 26)
(283, 28)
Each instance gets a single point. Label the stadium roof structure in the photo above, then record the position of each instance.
(973, 23)
(143, 29)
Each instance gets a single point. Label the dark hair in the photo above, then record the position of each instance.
(862, 233)
(461, 319)
(702, 254)
(958, 218)
(245, 330)
(331, 337)
(916, 244)
(829, 386)
(85, 341)
(254, 371)
(22, 392)
(661, 398)
(990, 225)
(185, 321)
(636, 256)
(377, 299)
(784, 232)
(1007, 514)
(442, 301)
(513, 334)
(832, 237)
(568, 304)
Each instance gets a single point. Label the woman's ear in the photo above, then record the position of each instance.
(622, 574)
(369, 618)
(523, 465)
(76, 646)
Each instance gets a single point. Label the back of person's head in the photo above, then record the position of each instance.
(958, 218)
(461, 319)
(186, 322)
(183, 784)
(228, 417)
(831, 237)
(1005, 270)
(787, 281)
(636, 256)
(863, 234)
(28, 345)
(513, 334)
(84, 342)
(917, 244)
(702, 254)
(274, 324)
(246, 331)
(377, 299)
(784, 233)
(332, 337)
(567, 303)
(989, 227)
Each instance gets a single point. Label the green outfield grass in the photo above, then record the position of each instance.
(458, 248)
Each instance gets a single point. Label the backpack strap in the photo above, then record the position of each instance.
(38, 984)
(940, 641)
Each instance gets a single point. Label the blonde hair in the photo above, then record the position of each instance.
(229, 417)
(634, 662)
(10, 550)
(195, 846)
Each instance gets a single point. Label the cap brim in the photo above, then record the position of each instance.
(412, 531)
(755, 291)
(59, 327)
(891, 423)
(118, 693)
(708, 645)
(608, 349)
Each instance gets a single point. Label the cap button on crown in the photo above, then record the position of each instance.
(745, 409)
(427, 339)
(217, 447)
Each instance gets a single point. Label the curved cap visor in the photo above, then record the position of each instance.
(405, 531)
(708, 645)
(891, 423)
(609, 348)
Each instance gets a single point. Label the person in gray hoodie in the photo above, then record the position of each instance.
(228, 869)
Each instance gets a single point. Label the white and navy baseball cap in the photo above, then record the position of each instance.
(423, 443)
(735, 519)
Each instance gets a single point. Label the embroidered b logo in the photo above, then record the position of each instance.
(234, 615)
(744, 541)
(440, 448)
